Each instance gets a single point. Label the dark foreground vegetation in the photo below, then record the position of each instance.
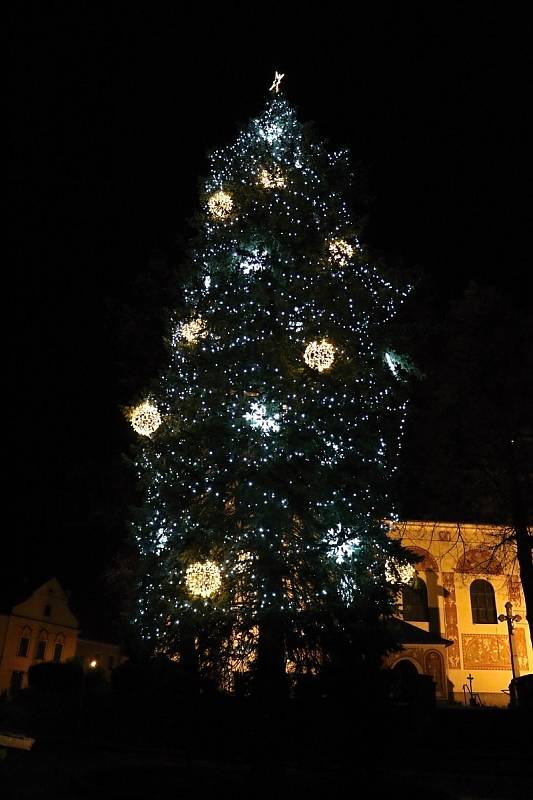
(157, 733)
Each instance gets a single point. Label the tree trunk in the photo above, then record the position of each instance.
(524, 544)
(271, 679)
(188, 651)
(524, 541)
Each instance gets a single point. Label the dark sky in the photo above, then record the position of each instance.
(112, 107)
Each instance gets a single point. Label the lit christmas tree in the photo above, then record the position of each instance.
(266, 449)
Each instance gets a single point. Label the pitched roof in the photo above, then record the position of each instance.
(15, 589)
(404, 633)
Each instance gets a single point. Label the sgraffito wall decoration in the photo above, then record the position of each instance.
(451, 630)
(491, 651)
(513, 590)
(479, 561)
(409, 654)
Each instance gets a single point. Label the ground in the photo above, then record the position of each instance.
(445, 754)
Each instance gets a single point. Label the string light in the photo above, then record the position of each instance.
(203, 579)
(319, 355)
(145, 418)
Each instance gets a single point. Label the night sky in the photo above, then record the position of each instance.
(112, 110)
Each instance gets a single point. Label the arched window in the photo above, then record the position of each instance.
(40, 647)
(415, 602)
(23, 644)
(482, 602)
(58, 647)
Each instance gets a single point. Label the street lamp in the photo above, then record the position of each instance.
(510, 620)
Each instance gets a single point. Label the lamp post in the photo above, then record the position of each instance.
(510, 620)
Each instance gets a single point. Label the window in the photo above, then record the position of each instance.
(58, 651)
(47, 610)
(40, 650)
(24, 644)
(17, 677)
(415, 602)
(483, 603)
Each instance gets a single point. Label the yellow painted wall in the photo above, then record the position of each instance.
(29, 619)
(480, 650)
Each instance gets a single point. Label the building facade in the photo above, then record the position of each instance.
(465, 578)
(42, 628)
(448, 622)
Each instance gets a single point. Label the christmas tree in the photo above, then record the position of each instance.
(267, 447)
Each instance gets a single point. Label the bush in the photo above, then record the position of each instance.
(52, 677)
(54, 699)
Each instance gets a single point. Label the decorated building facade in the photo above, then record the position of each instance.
(465, 580)
(40, 627)
(448, 624)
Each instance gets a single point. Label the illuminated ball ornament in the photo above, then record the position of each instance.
(396, 572)
(203, 579)
(340, 251)
(220, 205)
(342, 549)
(319, 355)
(272, 179)
(145, 419)
(193, 331)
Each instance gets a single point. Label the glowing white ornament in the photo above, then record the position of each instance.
(162, 539)
(272, 179)
(399, 365)
(397, 572)
(271, 132)
(254, 262)
(391, 363)
(319, 355)
(258, 417)
(203, 579)
(342, 551)
(145, 418)
(340, 251)
(220, 205)
(193, 331)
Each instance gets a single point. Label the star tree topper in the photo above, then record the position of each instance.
(276, 82)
